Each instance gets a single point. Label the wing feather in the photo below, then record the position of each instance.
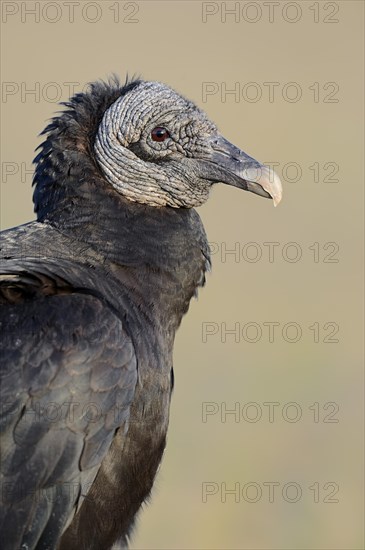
(68, 375)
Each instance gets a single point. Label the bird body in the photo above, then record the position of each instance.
(71, 280)
(91, 296)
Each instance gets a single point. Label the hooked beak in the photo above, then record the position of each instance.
(232, 166)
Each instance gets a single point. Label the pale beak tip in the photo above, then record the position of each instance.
(276, 199)
(270, 181)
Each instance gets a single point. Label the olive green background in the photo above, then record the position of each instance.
(170, 42)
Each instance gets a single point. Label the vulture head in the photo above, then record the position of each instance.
(155, 147)
(144, 141)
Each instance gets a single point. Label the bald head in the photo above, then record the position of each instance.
(145, 167)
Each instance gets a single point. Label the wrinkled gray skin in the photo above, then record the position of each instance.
(127, 154)
(91, 296)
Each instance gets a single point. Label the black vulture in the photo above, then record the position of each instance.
(91, 296)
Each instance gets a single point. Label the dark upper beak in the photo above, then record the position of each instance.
(228, 164)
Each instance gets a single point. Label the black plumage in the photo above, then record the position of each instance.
(91, 295)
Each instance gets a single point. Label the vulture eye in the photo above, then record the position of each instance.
(159, 134)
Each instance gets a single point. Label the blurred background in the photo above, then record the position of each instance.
(265, 446)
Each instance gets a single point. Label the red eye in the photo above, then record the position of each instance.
(159, 134)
